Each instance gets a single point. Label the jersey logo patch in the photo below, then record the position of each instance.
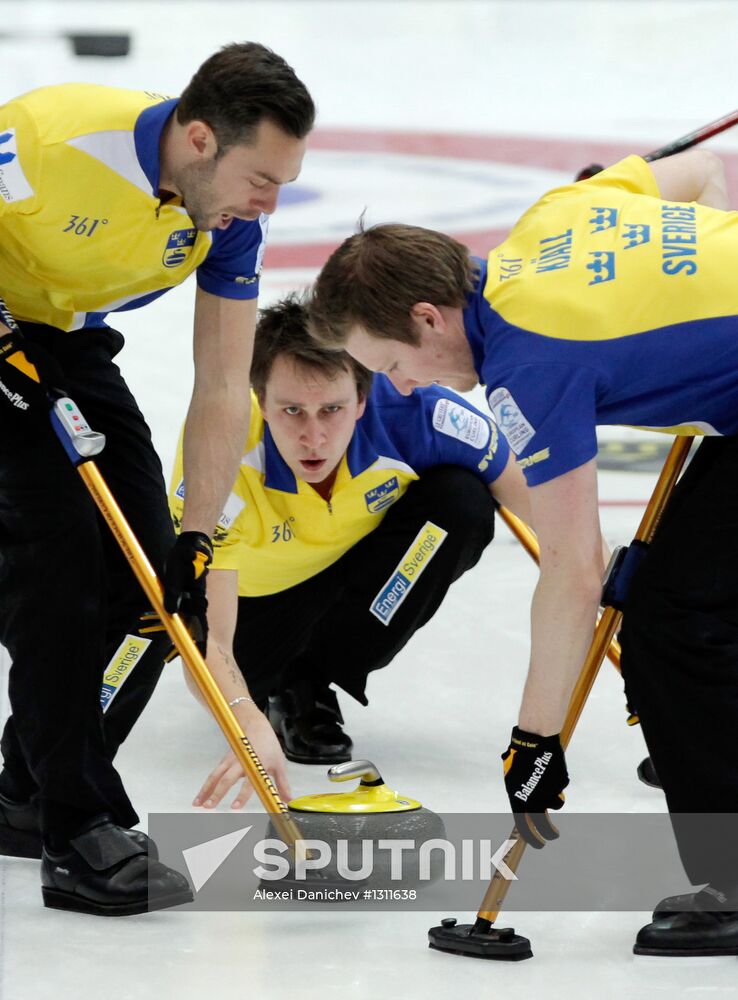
(510, 420)
(13, 183)
(382, 496)
(425, 545)
(178, 247)
(460, 423)
(117, 671)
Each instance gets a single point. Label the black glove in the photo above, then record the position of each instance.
(27, 374)
(535, 779)
(184, 581)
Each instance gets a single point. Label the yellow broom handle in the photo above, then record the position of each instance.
(608, 624)
(191, 657)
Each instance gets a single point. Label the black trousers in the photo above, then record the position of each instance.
(323, 628)
(67, 595)
(680, 660)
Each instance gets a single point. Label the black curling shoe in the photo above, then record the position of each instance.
(693, 924)
(106, 873)
(308, 720)
(672, 905)
(20, 831)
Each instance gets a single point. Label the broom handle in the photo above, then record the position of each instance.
(608, 624)
(191, 656)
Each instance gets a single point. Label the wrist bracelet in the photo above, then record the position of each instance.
(237, 701)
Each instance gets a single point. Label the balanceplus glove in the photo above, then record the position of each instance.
(184, 581)
(535, 779)
(27, 373)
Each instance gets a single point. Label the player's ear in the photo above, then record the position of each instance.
(201, 138)
(427, 317)
(361, 406)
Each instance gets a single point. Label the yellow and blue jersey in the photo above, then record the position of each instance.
(607, 305)
(83, 231)
(277, 531)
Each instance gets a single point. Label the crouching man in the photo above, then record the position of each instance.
(354, 511)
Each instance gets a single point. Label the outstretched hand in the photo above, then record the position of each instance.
(229, 771)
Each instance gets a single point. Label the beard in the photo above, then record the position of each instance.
(195, 181)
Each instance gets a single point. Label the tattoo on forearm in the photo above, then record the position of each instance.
(235, 674)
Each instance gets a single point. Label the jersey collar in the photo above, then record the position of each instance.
(277, 474)
(360, 454)
(147, 136)
(473, 326)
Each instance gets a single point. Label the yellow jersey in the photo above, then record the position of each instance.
(277, 531)
(83, 231)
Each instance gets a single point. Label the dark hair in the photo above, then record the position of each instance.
(240, 86)
(376, 276)
(282, 329)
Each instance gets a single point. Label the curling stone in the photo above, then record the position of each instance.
(355, 823)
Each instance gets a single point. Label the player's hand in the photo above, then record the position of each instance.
(229, 771)
(27, 374)
(535, 779)
(184, 582)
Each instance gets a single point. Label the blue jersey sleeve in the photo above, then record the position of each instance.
(457, 433)
(547, 413)
(233, 266)
(436, 426)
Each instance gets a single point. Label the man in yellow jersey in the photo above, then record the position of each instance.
(108, 198)
(612, 301)
(354, 510)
